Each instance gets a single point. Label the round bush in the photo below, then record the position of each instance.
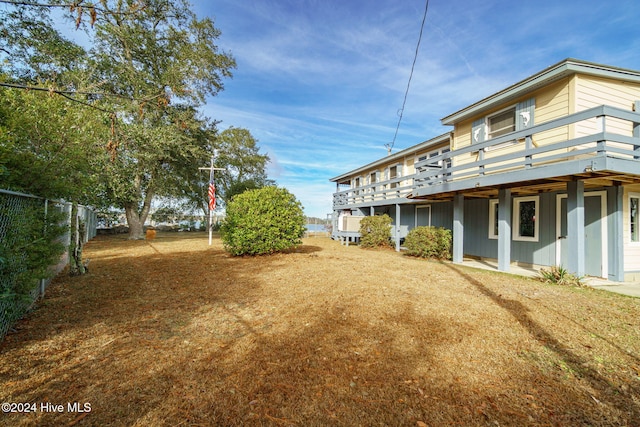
(429, 242)
(263, 221)
(375, 231)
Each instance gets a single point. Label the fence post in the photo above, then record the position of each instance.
(44, 232)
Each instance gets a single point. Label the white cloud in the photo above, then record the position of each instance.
(319, 83)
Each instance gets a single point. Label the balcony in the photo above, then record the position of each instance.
(604, 151)
(380, 193)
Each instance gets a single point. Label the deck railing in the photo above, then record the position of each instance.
(521, 152)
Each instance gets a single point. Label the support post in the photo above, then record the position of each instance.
(458, 228)
(504, 229)
(616, 244)
(397, 227)
(576, 263)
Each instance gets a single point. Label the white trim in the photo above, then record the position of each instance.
(631, 195)
(516, 219)
(423, 207)
(603, 229)
(492, 218)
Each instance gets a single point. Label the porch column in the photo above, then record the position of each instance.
(575, 227)
(458, 227)
(372, 211)
(504, 229)
(615, 245)
(397, 227)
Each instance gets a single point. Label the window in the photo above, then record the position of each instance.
(394, 172)
(493, 219)
(634, 217)
(525, 218)
(515, 118)
(502, 123)
(447, 162)
(373, 178)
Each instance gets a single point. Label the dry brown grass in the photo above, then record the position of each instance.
(174, 332)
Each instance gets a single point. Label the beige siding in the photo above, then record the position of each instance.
(594, 91)
(551, 102)
(462, 135)
(631, 250)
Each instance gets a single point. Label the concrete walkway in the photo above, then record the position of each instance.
(625, 288)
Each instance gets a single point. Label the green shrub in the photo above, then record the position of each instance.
(429, 242)
(263, 221)
(559, 275)
(375, 231)
(30, 246)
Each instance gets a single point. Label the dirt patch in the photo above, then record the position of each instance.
(174, 332)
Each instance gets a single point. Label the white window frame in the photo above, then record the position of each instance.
(633, 196)
(493, 218)
(516, 219)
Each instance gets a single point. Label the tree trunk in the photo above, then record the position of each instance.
(76, 267)
(136, 219)
(135, 223)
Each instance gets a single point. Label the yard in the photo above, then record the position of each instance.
(175, 332)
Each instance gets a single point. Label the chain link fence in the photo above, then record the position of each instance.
(23, 219)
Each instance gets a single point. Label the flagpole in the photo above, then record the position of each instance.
(211, 176)
(211, 170)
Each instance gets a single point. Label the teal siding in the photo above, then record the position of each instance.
(476, 229)
(407, 219)
(542, 252)
(442, 215)
(476, 233)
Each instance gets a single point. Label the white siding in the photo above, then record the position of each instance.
(631, 250)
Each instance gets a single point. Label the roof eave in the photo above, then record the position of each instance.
(399, 155)
(549, 75)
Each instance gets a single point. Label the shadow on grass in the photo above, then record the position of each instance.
(624, 402)
(194, 338)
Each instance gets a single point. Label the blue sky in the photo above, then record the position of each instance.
(319, 83)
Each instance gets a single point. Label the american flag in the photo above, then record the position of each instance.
(212, 196)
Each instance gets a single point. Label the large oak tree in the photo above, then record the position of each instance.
(163, 61)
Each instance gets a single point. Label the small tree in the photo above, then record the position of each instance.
(429, 242)
(375, 231)
(263, 221)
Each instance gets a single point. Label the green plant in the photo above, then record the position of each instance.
(375, 231)
(559, 275)
(263, 221)
(29, 247)
(429, 242)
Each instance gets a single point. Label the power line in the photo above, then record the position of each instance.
(406, 93)
(64, 93)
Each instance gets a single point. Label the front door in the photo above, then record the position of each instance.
(594, 229)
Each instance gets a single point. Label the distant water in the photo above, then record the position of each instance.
(315, 227)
